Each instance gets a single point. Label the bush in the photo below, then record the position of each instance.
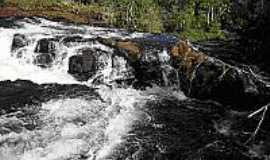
(2, 2)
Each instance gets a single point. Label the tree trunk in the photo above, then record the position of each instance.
(197, 8)
(212, 13)
(208, 16)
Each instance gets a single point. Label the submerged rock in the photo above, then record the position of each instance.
(83, 66)
(46, 45)
(75, 40)
(205, 77)
(19, 41)
(44, 60)
(46, 52)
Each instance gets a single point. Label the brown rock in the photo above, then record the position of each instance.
(133, 49)
(205, 77)
(188, 57)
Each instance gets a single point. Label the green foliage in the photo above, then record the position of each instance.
(135, 14)
(37, 4)
(196, 19)
(2, 2)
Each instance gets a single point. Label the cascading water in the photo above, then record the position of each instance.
(11, 65)
(70, 128)
(74, 92)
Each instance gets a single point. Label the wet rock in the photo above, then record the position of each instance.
(148, 69)
(205, 77)
(72, 39)
(19, 41)
(111, 42)
(19, 95)
(179, 129)
(122, 72)
(44, 60)
(83, 66)
(147, 59)
(14, 95)
(173, 129)
(133, 50)
(46, 45)
(9, 22)
(75, 40)
(45, 50)
(127, 48)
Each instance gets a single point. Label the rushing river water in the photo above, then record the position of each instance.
(70, 92)
(70, 128)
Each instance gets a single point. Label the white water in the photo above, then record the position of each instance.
(70, 128)
(74, 127)
(13, 68)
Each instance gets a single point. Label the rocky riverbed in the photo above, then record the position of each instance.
(78, 92)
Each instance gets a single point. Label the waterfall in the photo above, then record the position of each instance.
(71, 128)
(13, 68)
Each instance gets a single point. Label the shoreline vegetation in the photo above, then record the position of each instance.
(152, 16)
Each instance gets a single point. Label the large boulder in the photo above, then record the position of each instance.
(46, 52)
(46, 45)
(144, 62)
(205, 77)
(133, 50)
(127, 48)
(83, 66)
(21, 94)
(19, 41)
(14, 95)
(44, 60)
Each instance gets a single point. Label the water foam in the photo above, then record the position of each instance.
(13, 68)
(75, 128)
(71, 128)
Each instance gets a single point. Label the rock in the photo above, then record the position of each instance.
(83, 66)
(20, 94)
(148, 69)
(127, 48)
(133, 49)
(14, 95)
(19, 41)
(183, 129)
(45, 50)
(44, 60)
(144, 61)
(74, 40)
(46, 45)
(205, 77)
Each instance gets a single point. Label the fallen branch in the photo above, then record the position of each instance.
(264, 109)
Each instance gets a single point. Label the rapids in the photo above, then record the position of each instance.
(76, 92)
(70, 128)
(35, 29)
